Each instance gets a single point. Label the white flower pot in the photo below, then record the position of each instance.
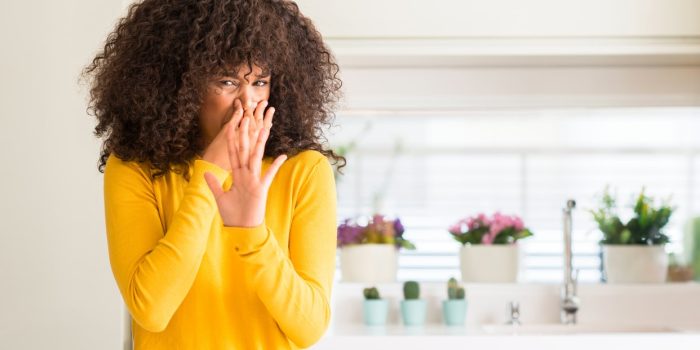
(490, 263)
(635, 263)
(369, 263)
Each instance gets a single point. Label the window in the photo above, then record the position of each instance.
(432, 168)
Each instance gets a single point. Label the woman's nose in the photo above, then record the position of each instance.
(247, 98)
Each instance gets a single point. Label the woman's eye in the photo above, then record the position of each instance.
(261, 83)
(228, 83)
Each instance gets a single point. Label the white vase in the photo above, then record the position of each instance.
(635, 263)
(490, 263)
(369, 263)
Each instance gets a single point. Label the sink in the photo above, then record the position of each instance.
(554, 329)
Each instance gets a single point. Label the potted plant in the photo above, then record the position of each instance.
(678, 271)
(455, 307)
(489, 252)
(375, 308)
(369, 250)
(412, 307)
(633, 251)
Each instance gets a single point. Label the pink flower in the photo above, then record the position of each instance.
(519, 226)
(483, 229)
(480, 220)
(487, 238)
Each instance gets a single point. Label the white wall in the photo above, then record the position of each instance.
(460, 88)
(466, 54)
(56, 287)
(503, 18)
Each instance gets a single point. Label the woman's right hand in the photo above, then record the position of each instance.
(217, 151)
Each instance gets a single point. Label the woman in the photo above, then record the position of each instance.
(216, 239)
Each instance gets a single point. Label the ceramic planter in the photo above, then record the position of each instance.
(375, 312)
(413, 312)
(369, 263)
(635, 263)
(490, 263)
(454, 311)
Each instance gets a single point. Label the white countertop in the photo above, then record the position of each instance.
(611, 316)
(444, 337)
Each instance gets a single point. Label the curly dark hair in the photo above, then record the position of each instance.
(149, 81)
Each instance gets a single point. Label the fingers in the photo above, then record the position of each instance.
(247, 152)
(236, 120)
(214, 185)
(236, 111)
(259, 110)
(244, 143)
(232, 147)
(237, 115)
(259, 151)
(250, 112)
(267, 122)
(256, 119)
(272, 170)
(230, 133)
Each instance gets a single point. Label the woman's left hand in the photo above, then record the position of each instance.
(243, 205)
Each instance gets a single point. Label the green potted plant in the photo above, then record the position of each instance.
(413, 308)
(369, 249)
(454, 309)
(375, 308)
(489, 251)
(634, 249)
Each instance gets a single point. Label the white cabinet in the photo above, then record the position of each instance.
(459, 54)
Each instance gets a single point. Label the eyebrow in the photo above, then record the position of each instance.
(231, 74)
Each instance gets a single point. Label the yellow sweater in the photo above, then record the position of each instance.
(191, 283)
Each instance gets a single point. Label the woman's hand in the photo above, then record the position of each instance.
(257, 120)
(243, 205)
(217, 150)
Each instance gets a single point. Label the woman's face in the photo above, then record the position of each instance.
(249, 86)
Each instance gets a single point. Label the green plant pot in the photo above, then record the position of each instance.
(454, 311)
(375, 312)
(413, 312)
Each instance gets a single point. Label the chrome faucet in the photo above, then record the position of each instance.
(569, 300)
(513, 313)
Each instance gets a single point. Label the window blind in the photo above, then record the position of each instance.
(433, 168)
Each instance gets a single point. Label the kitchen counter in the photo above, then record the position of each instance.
(652, 316)
(432, 337)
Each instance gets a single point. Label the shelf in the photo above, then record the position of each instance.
(516, 52)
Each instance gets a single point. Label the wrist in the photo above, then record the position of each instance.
(245, 224)
(247, 220)
(223, 164)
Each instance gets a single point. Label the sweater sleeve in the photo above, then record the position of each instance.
(154, 269)
(296, 289)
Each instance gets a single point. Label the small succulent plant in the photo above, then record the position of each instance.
(411, 290)
(454, 290)
(371, 293)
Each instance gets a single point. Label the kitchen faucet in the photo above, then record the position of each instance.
(569, 300)
(513, 313)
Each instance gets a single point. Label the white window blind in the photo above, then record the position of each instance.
(524, 162)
